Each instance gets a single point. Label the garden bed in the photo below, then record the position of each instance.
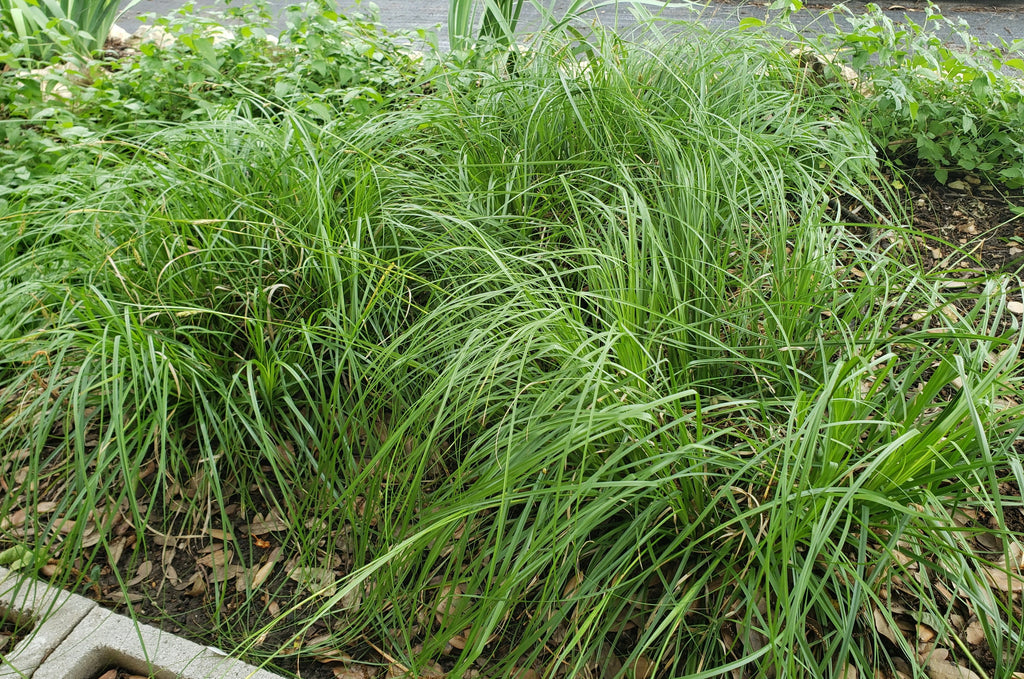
(567, 364)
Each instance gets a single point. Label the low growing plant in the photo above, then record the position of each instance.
(931, 105)
(326, 64)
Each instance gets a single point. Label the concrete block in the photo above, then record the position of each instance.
(52, 613)
(104, 639)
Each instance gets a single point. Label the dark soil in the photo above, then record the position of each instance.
(118, 673)
(969, 225)
(11, 633)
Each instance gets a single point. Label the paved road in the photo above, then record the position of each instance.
(990, 20)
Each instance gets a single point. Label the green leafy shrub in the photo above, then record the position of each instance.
(348, 59)
(324, 62)
(930, 105)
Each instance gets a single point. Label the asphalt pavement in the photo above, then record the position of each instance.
(990, 20)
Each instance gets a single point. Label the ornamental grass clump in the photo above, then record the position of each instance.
(574, 370)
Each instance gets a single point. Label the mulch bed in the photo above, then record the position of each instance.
(975, 221)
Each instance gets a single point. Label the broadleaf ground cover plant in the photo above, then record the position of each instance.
(575, 371)
(324, 64)
(939, 99)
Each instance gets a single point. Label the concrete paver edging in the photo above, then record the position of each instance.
(73, 638)
(52, 613)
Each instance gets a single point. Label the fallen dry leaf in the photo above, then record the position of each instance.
(925, 634)
(975, 633)
(574, 584)
(194, 586)
(272, 523)
(943, 590)
(329, 655)
(989, 542)
(527, 673)
(216, 559)
(122, 598)
(65, 526)
(316, 580)
(92, 536)
(218, 534)
(431, 671)
(448, 601)
(607, 664)
(198, 586)
(257, 578)
(226, 573)
(353, 672)
(943, 669)
(397, 670)
(264, 572)
(145, 568)
(641, 668)
(352, 599)
(883, 627)
(1003, 580)
(115, 548)
(11, 520)
(458, 641)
